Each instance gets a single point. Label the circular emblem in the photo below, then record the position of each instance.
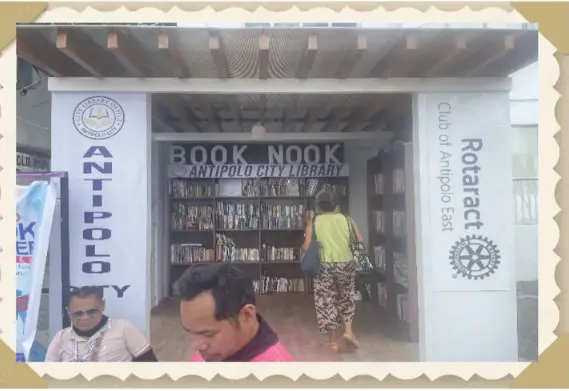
(98, 117)
(474, 257)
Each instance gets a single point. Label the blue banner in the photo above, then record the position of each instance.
(34, 216)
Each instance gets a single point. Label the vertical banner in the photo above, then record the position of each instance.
(470, 191)
(465, 236)
(34, 216)
(102, 141)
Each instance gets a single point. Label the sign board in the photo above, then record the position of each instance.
(103, 144)
(31, 163)
(257, 160)
(470, 192)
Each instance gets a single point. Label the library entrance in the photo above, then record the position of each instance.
(247, 203)
(231, 133)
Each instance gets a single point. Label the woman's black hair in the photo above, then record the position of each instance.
(230, 287)
(326, 202)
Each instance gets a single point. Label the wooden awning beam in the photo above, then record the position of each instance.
(264, 42)
(216, 49)
(128, 53)
(80, 48)
(352, 58)
(168, 46)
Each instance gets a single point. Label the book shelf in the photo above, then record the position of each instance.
(257, 224)
(391, 237)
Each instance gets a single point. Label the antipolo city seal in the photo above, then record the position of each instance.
(98, 117)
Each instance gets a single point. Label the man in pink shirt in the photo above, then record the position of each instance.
(218, 311)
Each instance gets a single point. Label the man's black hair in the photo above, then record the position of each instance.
(230, 287)
(326, 201)
(85, 291)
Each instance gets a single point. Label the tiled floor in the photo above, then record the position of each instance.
(292, 317)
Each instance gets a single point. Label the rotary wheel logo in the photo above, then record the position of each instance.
(98, 117)
(474, 257)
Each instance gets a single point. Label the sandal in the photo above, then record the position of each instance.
(334, 347)
(351, 341)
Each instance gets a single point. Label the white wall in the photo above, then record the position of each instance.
(524, 116)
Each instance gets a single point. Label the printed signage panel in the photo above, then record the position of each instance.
(257, 160)
(470, 191)
(102, 142)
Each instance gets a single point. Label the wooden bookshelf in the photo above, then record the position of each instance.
(391, 228)
(254, 233)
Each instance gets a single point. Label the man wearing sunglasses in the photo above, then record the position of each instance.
(94, 336)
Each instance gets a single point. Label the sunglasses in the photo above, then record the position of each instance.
(78, 314)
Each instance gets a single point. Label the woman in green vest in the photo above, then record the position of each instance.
(334, 287)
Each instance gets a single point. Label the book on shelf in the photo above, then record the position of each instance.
(227, 251)
(378, 184)
(379, 221)
(283, 254)
(382, 294)
(191, 217)
(399, 224)
(379, 257)
(402, 307)
(237, 188)
(183, 253)
(237, 215)
(282, 187)
(400, 268)
(279, 216)
(273, 285)
(183, 188)
(398, 181)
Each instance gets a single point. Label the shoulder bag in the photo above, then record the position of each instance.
(310, 261)
(361, 258)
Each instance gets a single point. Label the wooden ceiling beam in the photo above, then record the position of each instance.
(289, 112)
(508, 43)
(304, 68)
(367, 113)
(314, 114)
(262, 107)
(390, 49)
(38, 51)
(398, 106)
(307, 59)
(127, 51)
(404, 58)
(177, 107)
(264, 43)
(341, 114)
(218, 54)
(352, 58)
(80, 48)
(167, 45)
(517, 58)
(444, 62)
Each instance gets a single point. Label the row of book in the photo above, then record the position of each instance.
(282, 187)
(272, 253)
(400, 268)
(270, 187)
(377, 184)
(399, 222)
(403, 307)
(181, 254)
(179, 188)
(282, 216)
(192, 217)
(237, 215)
(398, 181)
(379, 257)
(273, 285)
